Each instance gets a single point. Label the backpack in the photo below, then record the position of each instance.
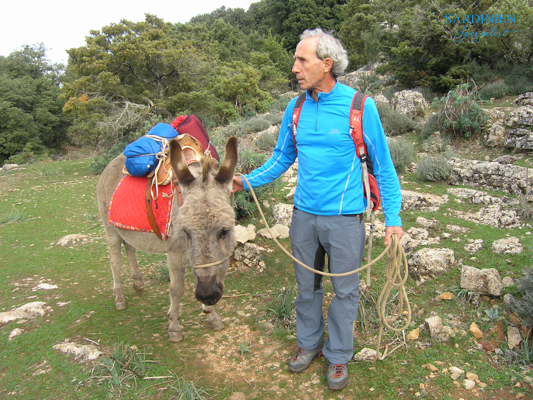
(143, 155)
(370, 184)
(191, 125)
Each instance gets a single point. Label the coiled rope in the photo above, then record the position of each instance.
(393, 274)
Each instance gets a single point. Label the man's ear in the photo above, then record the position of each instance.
(328, 64)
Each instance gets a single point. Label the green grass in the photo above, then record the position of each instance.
(210, 364)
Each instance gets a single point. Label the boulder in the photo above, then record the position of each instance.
(428, 263)
(525, 99)
(245, 234)
(482, 281)
(421, 201)
(248, 256)
(279, 231)
(510, 245)
(282, 214)
(410, 103)
(519, 124)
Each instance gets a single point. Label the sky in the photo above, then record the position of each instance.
(62, 24)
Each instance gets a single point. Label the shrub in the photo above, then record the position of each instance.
(267, 141)
(394, 123)
(433, 169)
(401, 153)
(524, 305)
(248, 161)
(389, 92)
(459, 114)
(520, 79)
(428, 94)
(431, 126)
(494, 90)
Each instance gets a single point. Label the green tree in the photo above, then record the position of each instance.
(31, 114)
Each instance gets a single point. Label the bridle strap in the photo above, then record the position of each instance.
(210, 264)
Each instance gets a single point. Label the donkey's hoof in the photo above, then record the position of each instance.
(120, 305)
(217, 325)
(175, 336)
(139, 290)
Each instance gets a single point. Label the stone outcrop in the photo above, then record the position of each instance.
(491, 175)
(428, 263)
(493, 216)
(248, 256)
(510, 245)
(514, 130)
(410, 103)
(421, 201)
(482, 281)
(282, 214)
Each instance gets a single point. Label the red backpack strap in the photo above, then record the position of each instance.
(356, 132)
(356, 124)
(296, 117)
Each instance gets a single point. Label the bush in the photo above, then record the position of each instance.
(494, 90)
(431, 126)
(520, 79)
(523, 306)
(459, 114)
(401, 153)
(394, 123)
(433, 169)
(267, 141)
(248, 161)
(428, 94)
(389, 92)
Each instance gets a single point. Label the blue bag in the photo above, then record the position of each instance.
(141, 155)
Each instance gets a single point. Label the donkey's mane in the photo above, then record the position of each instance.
(208, 166)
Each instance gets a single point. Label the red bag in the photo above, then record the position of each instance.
(190, 124)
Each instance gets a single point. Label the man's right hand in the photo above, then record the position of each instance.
(237, 184)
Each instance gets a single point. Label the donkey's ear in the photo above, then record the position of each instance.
(179, 164)
(227, 168)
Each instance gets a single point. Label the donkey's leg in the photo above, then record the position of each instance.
(213, 319)
(176, 268)
(138, 283)
(115, 260)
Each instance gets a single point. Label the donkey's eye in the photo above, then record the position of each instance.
(222, 234)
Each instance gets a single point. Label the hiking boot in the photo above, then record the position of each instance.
(337, 376)
(303, 358)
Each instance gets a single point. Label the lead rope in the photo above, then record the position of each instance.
(396, 257)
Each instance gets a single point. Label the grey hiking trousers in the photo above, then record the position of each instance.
(342, 238)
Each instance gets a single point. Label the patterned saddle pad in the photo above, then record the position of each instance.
(127, 209)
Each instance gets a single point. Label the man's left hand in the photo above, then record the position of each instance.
(398, 230)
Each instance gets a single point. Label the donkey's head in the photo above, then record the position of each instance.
(206, 220)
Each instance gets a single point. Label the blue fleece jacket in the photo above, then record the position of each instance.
(329, 172)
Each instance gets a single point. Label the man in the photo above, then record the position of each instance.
(329, 201)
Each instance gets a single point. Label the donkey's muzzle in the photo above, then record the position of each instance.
(208, 291)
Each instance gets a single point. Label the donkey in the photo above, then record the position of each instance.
(202, 231)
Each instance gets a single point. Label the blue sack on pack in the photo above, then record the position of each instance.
(141, 155)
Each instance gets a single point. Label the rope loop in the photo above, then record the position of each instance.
(393, 273)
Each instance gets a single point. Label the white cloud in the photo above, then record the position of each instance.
(62, 24)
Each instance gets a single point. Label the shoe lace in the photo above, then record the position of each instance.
(297, 354)
(338, 369)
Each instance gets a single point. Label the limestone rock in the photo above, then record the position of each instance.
(248, 256)
(437, 330)
(421, 201)
(475, 331)
(490, 175)
(282, 214)
(510, 245)
(73, 240)
(14, 333)
(245, 234)
(513, 337)
(86, 352)
(474, 246)
(479, 197)
(410, 103)
(519, 124)
(428, 262)
(426, 223)
(469, 384)
(366, 355)
(414, 334)
(455, 372)
(494, 216)
(26, 311)
(279, 231)
(525, 99)
(507, 282)
(482, 281)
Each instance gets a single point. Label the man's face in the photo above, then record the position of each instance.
(309, 69)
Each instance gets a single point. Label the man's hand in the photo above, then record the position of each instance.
(398, 230)
(237, 184)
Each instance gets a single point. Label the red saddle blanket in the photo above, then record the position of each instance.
(127, 209)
